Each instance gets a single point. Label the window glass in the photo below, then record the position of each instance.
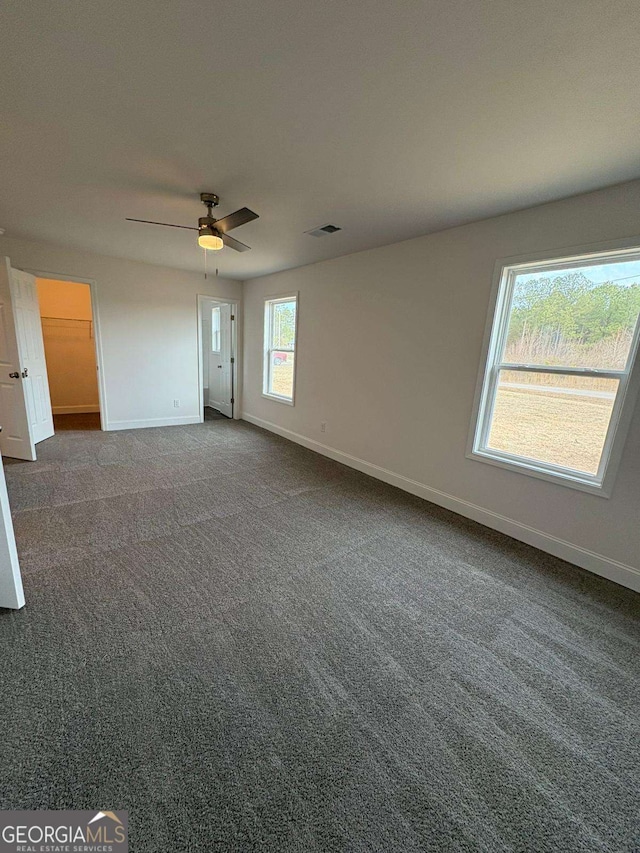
(284, 325)
(215, 329)
(282, 374)
(580, 317)
(561, 420)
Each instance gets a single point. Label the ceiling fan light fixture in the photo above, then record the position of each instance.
(213, 234)
(209, 239)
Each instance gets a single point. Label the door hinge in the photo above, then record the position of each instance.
(232, 400)
(233, 361)
(233, 316)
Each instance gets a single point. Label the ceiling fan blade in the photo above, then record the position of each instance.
(168, 224)
(233, 220)
(232, 243)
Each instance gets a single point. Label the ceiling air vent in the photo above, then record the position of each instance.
(323, 230)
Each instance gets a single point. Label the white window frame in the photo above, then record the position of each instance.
(269, 302)
(496, 331)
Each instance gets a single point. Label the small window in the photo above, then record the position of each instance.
(215, 329)
(280, 320)
(562, 347)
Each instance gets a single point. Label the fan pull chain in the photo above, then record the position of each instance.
(205, 264)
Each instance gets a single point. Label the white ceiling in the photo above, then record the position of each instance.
(390, 120)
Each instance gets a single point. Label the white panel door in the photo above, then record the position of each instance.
(214, 397)
(220, 366)
(15, 439)
(11, 592)
(26, 311)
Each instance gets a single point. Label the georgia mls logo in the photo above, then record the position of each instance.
(63, 832)
(111, 815)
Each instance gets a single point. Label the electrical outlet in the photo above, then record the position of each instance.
(323, 426)
(176, 404)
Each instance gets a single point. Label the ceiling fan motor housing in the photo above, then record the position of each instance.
(206, 225)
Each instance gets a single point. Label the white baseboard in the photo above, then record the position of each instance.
(597, 563)
(71, 410)
(153, 422)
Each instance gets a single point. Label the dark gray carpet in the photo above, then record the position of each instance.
(213, 414)
(250, 647)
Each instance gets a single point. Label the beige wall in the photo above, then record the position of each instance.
(148, 323)
(389, 348)
(69, 343)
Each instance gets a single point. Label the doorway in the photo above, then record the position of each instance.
(26, 413)
(68, 331)
(217, 357)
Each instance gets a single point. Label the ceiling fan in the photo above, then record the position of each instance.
(213, 233)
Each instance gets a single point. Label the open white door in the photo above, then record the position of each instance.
(11, 592)
(220, 365)
(16, 439)
(35, 382)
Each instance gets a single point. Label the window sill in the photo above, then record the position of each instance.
(276, 398)
(530, 469)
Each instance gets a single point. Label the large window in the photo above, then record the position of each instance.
(558, 372)
(280, 321)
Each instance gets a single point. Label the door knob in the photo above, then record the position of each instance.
(219, 365)
(14, 375)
